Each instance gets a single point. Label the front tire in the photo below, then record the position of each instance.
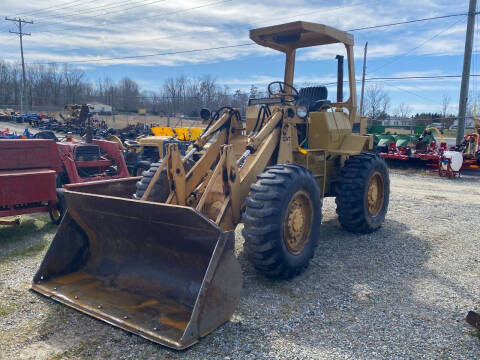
(363, 191)
(282, 220)
(161, 189)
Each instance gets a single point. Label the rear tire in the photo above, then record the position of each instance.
(282, 220)
(161, 190)
(363, 192)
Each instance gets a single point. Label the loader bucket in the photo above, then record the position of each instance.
(163, 272)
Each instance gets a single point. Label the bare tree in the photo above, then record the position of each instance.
(445, 104)
(377, 102)
(403, 111)
(51, 86)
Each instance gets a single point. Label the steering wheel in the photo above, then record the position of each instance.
(281, 91)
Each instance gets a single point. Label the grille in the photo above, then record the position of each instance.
(87, 153)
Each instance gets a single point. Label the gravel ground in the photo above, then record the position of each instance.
(400, 293)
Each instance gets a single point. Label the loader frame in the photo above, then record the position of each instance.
(151, 252)
(237, 159)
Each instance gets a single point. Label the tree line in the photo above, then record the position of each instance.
(378, 109)
(51, 85)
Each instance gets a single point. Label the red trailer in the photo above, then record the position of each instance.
(28, 171)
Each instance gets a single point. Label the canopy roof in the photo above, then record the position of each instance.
(298, 34)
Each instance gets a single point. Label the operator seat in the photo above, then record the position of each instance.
(314, 97)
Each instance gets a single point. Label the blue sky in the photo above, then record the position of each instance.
(69, 30)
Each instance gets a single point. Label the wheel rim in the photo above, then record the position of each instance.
(375, 194)
(298, 222)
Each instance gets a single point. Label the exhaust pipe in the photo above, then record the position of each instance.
(340, 78)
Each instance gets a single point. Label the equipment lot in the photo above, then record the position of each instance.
(401, 292)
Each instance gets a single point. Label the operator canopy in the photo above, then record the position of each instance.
(299, 34)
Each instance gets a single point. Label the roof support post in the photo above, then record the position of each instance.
(289, 68)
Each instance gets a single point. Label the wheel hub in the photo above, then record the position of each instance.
(298, 222)
(375, 194)
(56, 214)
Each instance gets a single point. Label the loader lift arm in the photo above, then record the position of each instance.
(197, 187)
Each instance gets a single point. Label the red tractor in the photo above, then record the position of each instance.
(33, 171)
(90, 161)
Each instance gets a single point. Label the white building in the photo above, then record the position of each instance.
(101, 108)
(469, 123)
(396, 121)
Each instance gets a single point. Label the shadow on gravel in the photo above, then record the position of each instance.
(26, 238)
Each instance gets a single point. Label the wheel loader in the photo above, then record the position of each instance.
(158, 260)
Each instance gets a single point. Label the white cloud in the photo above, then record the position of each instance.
(92, 30)
(108, 32)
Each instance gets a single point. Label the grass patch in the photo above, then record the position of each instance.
(27, 228)
(84, 350)
(474, 333)
(29, 250)
(453, 133)
(6, 309)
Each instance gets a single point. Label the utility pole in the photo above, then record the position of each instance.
(21, 34)
(363, 77)
(467, 59)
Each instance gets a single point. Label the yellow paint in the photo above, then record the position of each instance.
(182, 134)
(162, 131)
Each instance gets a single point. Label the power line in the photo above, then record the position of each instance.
(147, 17)
(418, 78)
(179, 52)
(146, 55)
(433, 77)
(408, 52)
(328, 10)
(56, 7)
(411, 92)
(411, 21)
(102, 8)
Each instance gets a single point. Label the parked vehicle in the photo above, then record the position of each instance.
(163, 265)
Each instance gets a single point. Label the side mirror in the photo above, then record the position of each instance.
(205, 114)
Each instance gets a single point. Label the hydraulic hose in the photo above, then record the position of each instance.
(263, 112)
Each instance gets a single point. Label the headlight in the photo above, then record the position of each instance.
(302, 111)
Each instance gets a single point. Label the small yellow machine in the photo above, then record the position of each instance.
(182, 134)
(162, 265)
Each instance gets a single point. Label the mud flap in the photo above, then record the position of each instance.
(161, 271)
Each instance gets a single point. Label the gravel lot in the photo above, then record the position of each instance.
(400, 293)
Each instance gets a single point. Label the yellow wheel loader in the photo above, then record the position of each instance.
(159, 261)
